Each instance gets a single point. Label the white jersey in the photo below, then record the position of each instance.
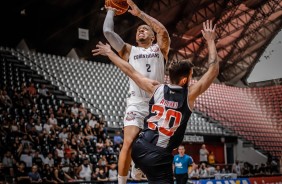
(150, 63)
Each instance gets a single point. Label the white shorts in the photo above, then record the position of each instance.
(136, 110)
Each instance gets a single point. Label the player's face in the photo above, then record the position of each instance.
(144, 34)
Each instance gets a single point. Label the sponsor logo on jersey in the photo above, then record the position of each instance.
(151, 55)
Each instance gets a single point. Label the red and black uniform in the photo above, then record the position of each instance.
(164, 129)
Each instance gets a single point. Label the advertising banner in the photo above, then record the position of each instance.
(266, 180)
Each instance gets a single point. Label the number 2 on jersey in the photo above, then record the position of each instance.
(161, 113)
(148, 67)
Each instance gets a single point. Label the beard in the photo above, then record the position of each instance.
(142, 40)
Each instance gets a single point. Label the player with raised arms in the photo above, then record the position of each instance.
(148, 59)
(170, 108)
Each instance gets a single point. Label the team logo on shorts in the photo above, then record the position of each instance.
(130, 116)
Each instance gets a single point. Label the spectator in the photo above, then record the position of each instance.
(74, 111)
(48, 174)
(88, 133)
(34, 176)
(38, 126)
(37, 160)
(226, 169)
(262, 169)
(5, 99)
(64, 110)
(34, 113)
(60, 175)
(49, 160)
(32, 90)
(33, 136)
(48, 127)
(102, 176)
(113, 172)
(102, 161)
(92, 120)
(59, 152)
(113, 159)
(117, 138)
(53, 121)
(85, 170)
(95, 174)
(76, 128)
(256, 170)
(21, 174)
(236, 168)
(68, 151)
(204, 154)
(43, 91)
(211, 158)
(217, 169)
(65, 160)
(82, 112)
(14, 128)
(63, 136)
(203, 172)
(194, 174)
(8, 162)
(27, 159)
(74, 160)
(246, 170)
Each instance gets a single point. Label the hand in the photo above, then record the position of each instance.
(111, 8)
(209, 31)
(134, 8)
(102, 49)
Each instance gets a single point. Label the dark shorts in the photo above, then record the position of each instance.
(154, 161)
(181, 178)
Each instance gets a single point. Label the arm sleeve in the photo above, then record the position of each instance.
(108, 29)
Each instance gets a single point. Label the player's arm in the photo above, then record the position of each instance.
(163, 39)
(144, 83)
(207, 79)
(113, 38)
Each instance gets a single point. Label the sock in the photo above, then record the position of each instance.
(122, 179)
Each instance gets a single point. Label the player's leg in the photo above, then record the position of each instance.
(185, 178)
(130, 134)
(154, 161)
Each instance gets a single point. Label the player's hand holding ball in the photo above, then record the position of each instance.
(119, 6)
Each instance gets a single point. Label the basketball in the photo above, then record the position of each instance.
(120, 5)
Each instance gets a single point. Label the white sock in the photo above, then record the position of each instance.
(122, 179)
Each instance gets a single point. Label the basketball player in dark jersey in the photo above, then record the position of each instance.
(170, 108)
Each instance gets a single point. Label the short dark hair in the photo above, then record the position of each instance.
(179, 69)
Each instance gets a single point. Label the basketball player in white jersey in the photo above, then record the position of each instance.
(170, 108)
(148, 59)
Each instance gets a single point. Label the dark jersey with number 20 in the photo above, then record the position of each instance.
(168, 116)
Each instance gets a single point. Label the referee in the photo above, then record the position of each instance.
(181, 162)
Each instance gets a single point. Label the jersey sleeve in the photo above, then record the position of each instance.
(190, 160)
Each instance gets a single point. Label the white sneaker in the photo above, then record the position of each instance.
(136, 173)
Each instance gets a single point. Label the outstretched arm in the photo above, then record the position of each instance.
(144, 83)
(163, 39)
(114, 39)
(207, 79)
